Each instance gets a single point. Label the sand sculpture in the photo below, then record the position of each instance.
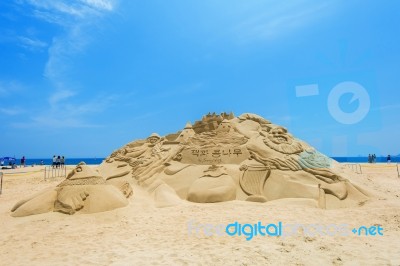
(220, 158)
(223, 157)
(84, 190)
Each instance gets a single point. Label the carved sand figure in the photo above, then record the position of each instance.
(186, 133)
(220, 158)
(146, 159)
(84, 191)
(264, 161)
(287, 154)
(214, 186)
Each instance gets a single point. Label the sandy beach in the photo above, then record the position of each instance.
(143, 234)
(199, 132)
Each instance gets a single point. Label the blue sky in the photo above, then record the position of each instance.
(84, 77)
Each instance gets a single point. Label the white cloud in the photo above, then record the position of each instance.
(76, 19)
(8, 88)
(11, 111)
(96, 105)
(32, 43)
(60, 52)
(65, 12)
(66, 111)
(60, 95)
(100, 4)
(43, 122)
(280, 18)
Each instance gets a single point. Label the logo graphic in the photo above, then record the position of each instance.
(358, 94)
(279, 229)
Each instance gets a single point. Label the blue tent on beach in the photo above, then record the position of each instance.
(7, 161)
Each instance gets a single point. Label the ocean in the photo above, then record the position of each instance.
(360, 159)
(70, 161)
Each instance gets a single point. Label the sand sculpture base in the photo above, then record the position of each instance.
(220, 158)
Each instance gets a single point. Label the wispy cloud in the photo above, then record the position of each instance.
(60, 95)
(281, 18)
(67, 112)
(96, 105)
(75, 17)
(100, 4)
(63, 12)
(71, 13)
(8, 88)
(11, 111)
(31, 43)
(43, 122)
(75, 20)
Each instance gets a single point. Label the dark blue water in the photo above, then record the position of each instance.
(91, 161)
(70, 161)
(395, 159)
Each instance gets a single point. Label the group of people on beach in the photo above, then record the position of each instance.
(58, 161)
(372, 158)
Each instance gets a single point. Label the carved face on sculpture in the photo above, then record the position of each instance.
(225, 126)
(154, 138)
(82, 171)
(280, 140)
(279, 135)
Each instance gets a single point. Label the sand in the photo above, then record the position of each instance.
(142, 234)
(222, 158)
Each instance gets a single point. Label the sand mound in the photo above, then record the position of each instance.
(84, 190)
(223, 158)
(220, 158)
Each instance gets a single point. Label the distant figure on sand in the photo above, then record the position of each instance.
(58, 161)
(388, 159)
(62, 162)
(54, 161)
(369, 158)
(23, 161)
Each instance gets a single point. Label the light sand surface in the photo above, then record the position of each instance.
(141, 234)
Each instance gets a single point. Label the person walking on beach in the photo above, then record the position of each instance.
(23, 161)
(58, 161)
(62, 162)
(369, 158)
(54, 161)
(388, 159)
